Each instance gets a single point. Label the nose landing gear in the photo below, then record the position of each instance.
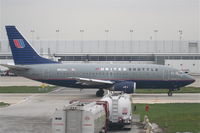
(170, 92)
(100, 93)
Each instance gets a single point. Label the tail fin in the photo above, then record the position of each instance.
(23, 53)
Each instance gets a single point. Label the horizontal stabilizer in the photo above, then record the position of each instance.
(15, 67)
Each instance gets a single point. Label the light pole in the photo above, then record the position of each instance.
(32, 33)
(82, 32)
(180, 32)
(1, 19)
(131, 34)
(107, 32)
(57, 40)
(57, 31)
(131, 39)
(0, 45)
(155, 38)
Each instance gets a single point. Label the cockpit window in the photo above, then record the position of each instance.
(180, 72)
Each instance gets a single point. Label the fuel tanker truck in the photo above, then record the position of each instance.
(120, 110)
(88, 116)
(81, 117)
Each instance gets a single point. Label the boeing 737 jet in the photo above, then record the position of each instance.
(116, 77)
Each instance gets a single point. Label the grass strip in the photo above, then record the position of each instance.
(25, 89)
(182, 90)
(2, 104)
(172, 118)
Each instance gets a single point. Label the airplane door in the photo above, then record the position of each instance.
(166, 75)
(46, 74)
(110, 75)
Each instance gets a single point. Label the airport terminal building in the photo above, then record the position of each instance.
(181, 54)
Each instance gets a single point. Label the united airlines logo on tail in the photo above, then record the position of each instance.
(19, 43)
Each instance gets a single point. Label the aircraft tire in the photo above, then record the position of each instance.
(170, 93)
(100, 93)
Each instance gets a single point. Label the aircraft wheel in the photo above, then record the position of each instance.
(170, 93)
(100, 93)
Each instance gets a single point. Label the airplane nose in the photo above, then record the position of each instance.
(190, 79)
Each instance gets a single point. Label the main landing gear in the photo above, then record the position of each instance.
(170, 92)
(100, 93)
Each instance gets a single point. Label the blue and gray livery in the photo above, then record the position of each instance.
(116, 77)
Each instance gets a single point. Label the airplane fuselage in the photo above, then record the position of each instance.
(145, 75)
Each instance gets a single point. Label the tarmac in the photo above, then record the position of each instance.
(32, 112)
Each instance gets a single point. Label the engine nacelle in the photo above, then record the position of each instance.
(125, 86)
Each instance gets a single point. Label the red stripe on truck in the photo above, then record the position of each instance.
(87, 125)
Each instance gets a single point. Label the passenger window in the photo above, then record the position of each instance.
(124, 69)
(134, 69)
(129, 69)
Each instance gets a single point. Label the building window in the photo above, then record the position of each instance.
(102, 58)
(110, 58)
(93, 58)
(119, 58)
(77, 58)
(127, 58)
(124, 69)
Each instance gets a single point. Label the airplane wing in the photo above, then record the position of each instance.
(87, 81)
(15, 67)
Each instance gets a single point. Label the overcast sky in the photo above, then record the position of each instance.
(96, 16)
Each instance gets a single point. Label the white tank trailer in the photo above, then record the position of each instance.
(120, 110)
(81, 117)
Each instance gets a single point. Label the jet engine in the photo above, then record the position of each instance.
(125, 86)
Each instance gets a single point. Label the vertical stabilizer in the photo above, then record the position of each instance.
(23, 53)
